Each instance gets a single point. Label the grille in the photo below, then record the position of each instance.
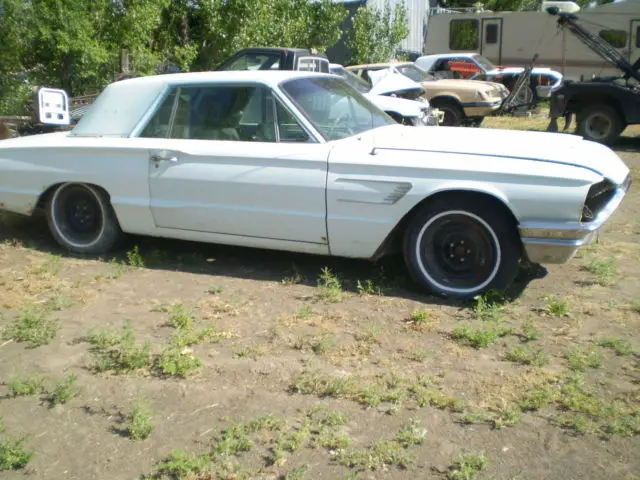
(599, 195)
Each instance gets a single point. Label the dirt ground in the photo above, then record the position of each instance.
(289, 372)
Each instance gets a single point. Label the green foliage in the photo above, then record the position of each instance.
(377, 33)
(582, 358)
(26, 386)
(330, 287)
(526, 356)
(605, 270)
(135, 258)
(13, 454)
(32, 327)
(119, 351)
(64, 391)
(180, 363)
(620, 345)
(139, 424)
(479, 337)
(557, 306)
(467, 467)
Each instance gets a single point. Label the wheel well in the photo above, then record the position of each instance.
(393, 242)
(580, 102)
(445, 99)
(44, 196)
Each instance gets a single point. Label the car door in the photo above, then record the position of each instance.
(231, 159)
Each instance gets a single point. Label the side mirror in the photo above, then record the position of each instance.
(53, 107)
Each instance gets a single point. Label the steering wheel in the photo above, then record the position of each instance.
(335, 123)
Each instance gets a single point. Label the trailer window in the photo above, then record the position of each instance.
(638, 37)
(491, 35)
(463, 35)
(615, 38)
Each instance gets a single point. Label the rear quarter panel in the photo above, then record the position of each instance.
(31, 165)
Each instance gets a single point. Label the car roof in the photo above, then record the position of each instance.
(457, 54)
(380, 65)
(267, 77)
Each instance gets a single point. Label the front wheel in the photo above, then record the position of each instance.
(453, 113)
(82, 220)
(461, 248)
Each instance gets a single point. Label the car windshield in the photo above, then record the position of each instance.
(334, 108)
(415, 73)
(352, 79)
(484, 62)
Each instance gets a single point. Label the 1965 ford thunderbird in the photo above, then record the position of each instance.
(302, 162)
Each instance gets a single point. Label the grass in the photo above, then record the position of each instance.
(605, 270)
(139, 425)
(175, 362)
(635, 306)
(557, 307)
(120, 352)
(26, 386)
(181, 319)
(526, 356)
(64, 391)
(489, 305)
(13, 454)
(581, 358)
(385, 389)
(329, 287)
(215, 290)
(529, 331)
(32, 327)
(480, 337)
(135, 258)
(467, 467)
(537, 397)
(386, 453)
(621, 346)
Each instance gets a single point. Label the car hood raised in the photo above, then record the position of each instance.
(556, 148)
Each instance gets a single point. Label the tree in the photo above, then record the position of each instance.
(377, 33)
(14, 87)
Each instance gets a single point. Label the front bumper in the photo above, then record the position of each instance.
(558, 243)
(481, 109)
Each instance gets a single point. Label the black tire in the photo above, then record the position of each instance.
(453, 113)
(460, 247)
(600, 123)
(81, 219)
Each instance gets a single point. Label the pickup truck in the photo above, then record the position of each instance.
(277, 59)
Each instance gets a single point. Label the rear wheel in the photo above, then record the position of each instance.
(600, 123)
(453, 113)
(82, 220)
(460, 247)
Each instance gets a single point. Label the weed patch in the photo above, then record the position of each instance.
(177, 362)
(526, 356)
(26, 386)
(557, 307)
(139, 424)
(581, 358)
(64, 391)
(480, 337)
(13, 454)
(32, 327)
(467, 467)
(330, 287)
(621, 346)
(605, 271)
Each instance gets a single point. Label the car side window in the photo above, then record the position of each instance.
(224, 112)
(158, 127)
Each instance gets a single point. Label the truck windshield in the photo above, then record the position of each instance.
(334, 108)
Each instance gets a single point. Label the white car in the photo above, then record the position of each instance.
(397, 95)
(302, 162)
(544, 81)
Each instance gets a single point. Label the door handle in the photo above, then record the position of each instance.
(160, 157)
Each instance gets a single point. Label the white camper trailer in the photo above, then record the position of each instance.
(513, 38)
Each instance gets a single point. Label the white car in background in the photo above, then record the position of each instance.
(301, 161)
(398, 96)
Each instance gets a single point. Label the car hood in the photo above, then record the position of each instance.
(556, 148)
(406, 108)
(519, 70)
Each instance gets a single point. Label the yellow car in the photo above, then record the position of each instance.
(464, 102)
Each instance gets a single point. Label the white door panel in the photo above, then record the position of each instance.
(268, 190)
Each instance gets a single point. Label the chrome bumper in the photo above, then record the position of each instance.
(558, 243)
